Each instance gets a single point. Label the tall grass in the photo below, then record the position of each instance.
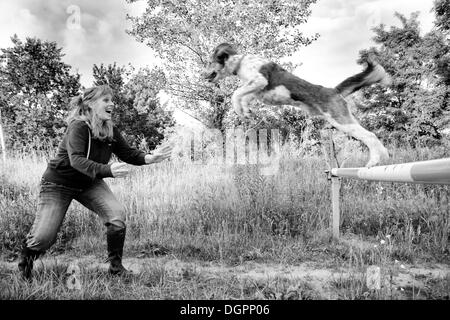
(224, 212)
(233, 214)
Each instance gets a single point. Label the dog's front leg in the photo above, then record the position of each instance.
(245, 94)
(240, 105)
(236, 102)
(245, 102)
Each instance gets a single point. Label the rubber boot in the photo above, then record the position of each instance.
(115, 238)
(27, 257)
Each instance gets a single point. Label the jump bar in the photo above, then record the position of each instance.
(430, 171)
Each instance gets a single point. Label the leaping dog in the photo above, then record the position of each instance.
(271, 84)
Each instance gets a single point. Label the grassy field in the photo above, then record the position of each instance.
(203, 231)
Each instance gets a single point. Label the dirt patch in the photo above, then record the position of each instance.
(410, 281)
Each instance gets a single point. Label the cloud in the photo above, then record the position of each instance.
(101, 37)
(345, 28)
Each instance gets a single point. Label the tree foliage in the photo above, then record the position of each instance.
(138, 112)
(184, 34)
(414, 109)
(35, 89)
(442, 12)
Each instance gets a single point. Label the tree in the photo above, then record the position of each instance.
(414, 108)
(35, 89)
(184, 34)
(138, 112)
(442, 12)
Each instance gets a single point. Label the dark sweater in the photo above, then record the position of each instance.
(72, 168)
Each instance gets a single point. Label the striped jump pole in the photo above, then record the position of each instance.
(423, 172)
(431, 172)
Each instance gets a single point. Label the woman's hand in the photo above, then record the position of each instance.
(159, 155)
(119, 169)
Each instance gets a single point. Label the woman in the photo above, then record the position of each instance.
(77, 172)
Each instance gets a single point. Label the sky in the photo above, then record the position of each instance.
(345, 29)
(99, 36)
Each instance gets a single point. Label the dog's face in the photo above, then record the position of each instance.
(215, 72)
(216, 69)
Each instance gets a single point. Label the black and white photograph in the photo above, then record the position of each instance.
(227, 154)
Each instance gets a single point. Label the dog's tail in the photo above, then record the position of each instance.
(374, 73)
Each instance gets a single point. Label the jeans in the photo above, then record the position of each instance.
(54, 200)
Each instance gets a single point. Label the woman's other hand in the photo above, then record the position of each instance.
(119, 169)
(159, 155)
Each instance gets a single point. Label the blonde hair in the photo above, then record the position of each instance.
(81, 110)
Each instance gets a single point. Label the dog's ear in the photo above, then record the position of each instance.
(223, 52)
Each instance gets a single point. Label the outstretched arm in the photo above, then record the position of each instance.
(125, 152)
(121, 169)
(158, 155)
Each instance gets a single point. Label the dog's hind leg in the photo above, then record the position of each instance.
(352, 128)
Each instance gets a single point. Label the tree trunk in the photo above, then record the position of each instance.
(218, 116)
